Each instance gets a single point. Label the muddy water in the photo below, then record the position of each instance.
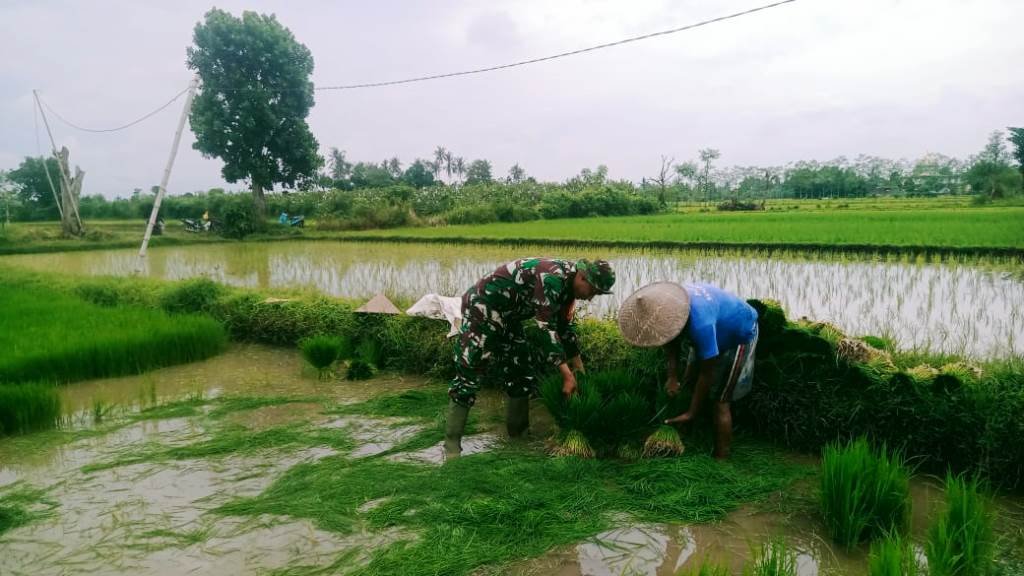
(975, 307)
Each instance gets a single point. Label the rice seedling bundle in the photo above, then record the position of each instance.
(321, 351)
(864, 493)
(961, 540)
(359, 370)
(893, 556)
(773, 559)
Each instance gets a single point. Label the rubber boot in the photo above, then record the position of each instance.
(455, 425)
(517, 416)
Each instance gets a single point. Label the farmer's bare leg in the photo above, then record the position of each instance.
(723, 430)
(700, 391)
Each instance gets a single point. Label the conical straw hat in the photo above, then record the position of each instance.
(379, 304)
(654, 314)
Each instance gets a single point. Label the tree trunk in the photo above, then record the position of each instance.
(71, 223)
(258, 200)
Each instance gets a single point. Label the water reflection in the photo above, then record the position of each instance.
(969, 307)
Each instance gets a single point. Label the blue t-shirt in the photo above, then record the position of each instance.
(718, 321)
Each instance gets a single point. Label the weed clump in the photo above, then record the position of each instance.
(864, 493)
(961, 541)
(773, 559)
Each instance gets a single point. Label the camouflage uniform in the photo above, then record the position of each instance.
(493, 312)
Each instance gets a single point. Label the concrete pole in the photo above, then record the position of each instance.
(167, 171)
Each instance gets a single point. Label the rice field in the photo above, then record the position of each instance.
(957, 305)
(951, 228)
(48, 336)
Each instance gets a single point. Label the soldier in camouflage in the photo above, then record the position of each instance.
(492, 341)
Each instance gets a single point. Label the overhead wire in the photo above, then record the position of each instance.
(451, 74)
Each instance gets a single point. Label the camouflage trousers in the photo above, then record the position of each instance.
(489, 349)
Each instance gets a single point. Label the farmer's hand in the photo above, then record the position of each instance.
(672, 386)
(577, 364)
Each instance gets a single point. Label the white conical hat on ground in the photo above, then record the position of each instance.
(379, 304)
(654, 314)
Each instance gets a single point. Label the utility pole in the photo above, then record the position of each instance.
(167, 171)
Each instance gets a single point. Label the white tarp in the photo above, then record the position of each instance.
(439, 307)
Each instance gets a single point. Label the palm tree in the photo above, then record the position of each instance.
(440, 153)
(459, 167)
(448, 164)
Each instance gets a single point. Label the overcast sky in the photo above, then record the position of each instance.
(814, 79)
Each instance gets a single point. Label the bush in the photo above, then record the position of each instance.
(864, 493)
(961, 542)
(238, 218)
(28, 407)
(474, 214)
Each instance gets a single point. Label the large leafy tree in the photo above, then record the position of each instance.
(479, 172)
(252, 105)
(1017, 139)
(419, 174)
(34, 193)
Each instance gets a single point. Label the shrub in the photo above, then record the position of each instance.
(961, 542)
(28, 407)
(864, 493)
(238, 218)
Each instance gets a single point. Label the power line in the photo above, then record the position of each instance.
(119, 128)
(556, 56)
(453, 74)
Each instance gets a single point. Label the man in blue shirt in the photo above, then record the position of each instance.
(720, 332)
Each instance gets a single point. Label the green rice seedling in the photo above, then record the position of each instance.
(359, 370)
(47, 335)
(773, 559)
(663, 443)
(625, 420)
(863, 493)
(892, 556)
(100, 410)
(191, 296)
(577, 416)
(321, 351)
(961, 542)
(28, 407)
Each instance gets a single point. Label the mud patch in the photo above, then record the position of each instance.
(435, 454)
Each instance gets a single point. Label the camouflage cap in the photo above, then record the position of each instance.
(599, 274)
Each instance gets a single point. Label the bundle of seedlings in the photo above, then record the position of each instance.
(893, 556)
(961, 542)
(578, 416)
(665, 442)
(865, 493)
(322, 351)
(625, 414)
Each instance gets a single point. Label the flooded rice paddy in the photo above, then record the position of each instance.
(158, 516)
(973, 307)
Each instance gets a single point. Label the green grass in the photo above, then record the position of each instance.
(864, 493)
(892, 556)
(28, 407)
(46, 335)
(961, 541)
(492, 508)
(938, 228)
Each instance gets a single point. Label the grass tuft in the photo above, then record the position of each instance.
(321, 351)
(961, 542)
(773, 559)
(864, 493)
